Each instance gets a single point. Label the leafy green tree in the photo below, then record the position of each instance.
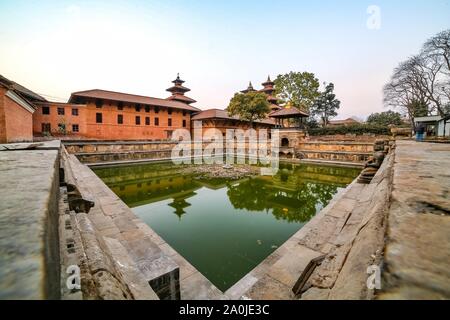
(299, 88)
(385, 118)
(326, 105)
(250, 106)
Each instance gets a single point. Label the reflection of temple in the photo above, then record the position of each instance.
(294, 194)
(179, 204)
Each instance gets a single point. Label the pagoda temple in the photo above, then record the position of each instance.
(269, 89)
(178, 91)
(249, 88)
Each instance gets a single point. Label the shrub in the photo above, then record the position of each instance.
(358, 129)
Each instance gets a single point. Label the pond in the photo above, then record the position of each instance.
(225, 227)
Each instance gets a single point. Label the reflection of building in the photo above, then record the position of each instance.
(292, 194)
(179, 203)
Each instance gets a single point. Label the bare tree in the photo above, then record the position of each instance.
(422, 81)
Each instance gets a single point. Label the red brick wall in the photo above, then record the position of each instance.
(2, 116)
(110, 129)
(16, 122)
(54, 119)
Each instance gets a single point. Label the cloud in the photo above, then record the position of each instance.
(73, 10)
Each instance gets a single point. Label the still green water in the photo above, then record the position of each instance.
(225, 228)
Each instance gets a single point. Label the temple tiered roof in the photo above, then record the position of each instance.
(178, 91)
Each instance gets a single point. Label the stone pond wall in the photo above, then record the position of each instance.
(351, 152)
(346, 237)
(120, 256)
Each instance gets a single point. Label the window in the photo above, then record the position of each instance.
(75, 128)
(138, 108)
(45, 110)
(46, 128)
(169, 111)
(98, 103)
(147, 109)
(62, 127)
(120, 119)
(156, 121)
(169, 122)
(147, 121)
(120, 106)
(184, 123)
(184, 113)
(156, 110)
(74, 111)
(138, 120)
(60, 111)
(98, 117)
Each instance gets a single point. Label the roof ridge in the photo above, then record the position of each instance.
(118, 92)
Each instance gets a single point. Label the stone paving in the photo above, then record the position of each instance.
(28, 246)
(417, 258)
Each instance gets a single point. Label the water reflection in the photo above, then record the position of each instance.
(295, 194)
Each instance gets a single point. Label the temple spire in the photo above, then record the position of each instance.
(249, 89)
(178, 91)
(269, 89)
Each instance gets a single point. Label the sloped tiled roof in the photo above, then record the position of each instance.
(287, 112)
(130, 98)
(21, 90)
(223, 114)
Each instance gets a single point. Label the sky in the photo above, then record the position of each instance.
(58, 47)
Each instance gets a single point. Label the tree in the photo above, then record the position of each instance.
(326, 105)
(250, 106)
(385, 118)
(299, 88)
(422, 81)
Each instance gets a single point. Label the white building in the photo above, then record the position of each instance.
(435, 125)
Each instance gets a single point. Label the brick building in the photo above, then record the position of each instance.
(107, 115)
(16, 111)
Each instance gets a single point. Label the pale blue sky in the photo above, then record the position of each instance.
(57, 47)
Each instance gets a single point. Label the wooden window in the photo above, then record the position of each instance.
(138, 120)
(74, 111)
(169, 122)
(60, 111)
(184, 113)
(45, 110)
(46, 128)
(99, 117)
(169, 111)
(156, 121)
(75, 128)
(156, 109)
(137, 107)
(147, 121)
(184, 123)
(120, 106)
(120, 119)
(147, 109)
(98, 103)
